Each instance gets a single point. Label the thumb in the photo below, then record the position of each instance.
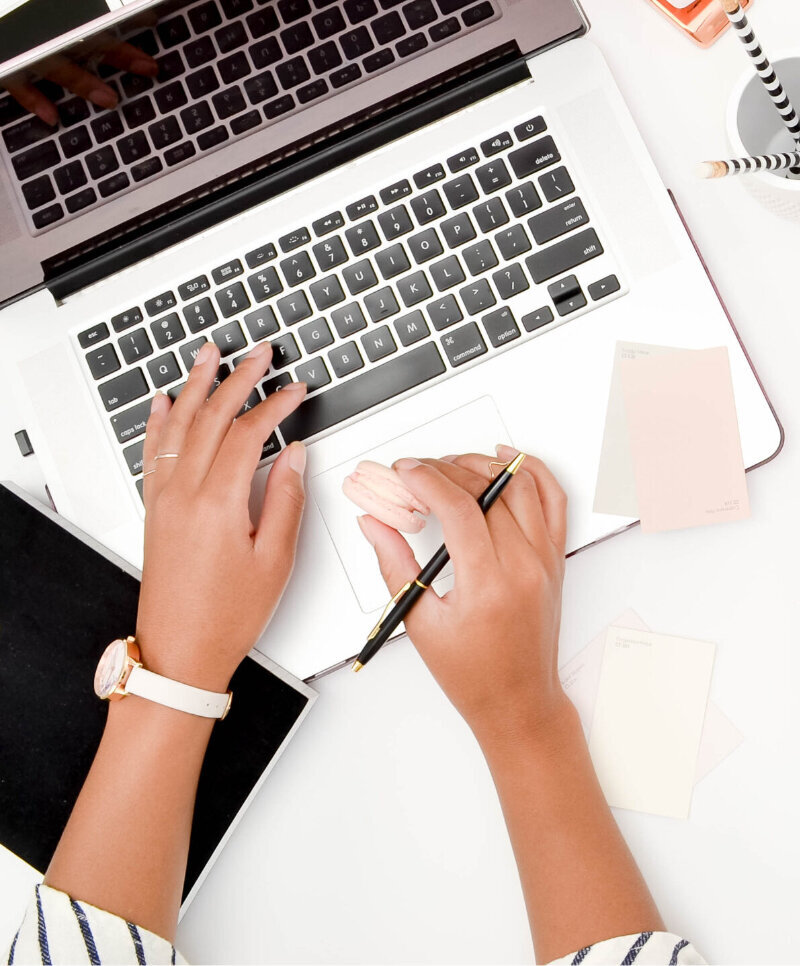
(284, 500)
(398, 565)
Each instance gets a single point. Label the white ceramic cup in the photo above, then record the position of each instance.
(755, 127)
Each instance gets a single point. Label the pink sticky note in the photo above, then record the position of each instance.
(684, 437)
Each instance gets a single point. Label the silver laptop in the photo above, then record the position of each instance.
(439, 211)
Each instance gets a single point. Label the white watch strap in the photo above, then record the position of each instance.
(173, 694)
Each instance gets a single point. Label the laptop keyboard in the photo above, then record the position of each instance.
(227, 68)
(443, 268)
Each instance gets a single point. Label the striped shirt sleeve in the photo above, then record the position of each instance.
(644, 949)
(57, 929)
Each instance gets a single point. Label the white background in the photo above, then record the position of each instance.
(378, 838)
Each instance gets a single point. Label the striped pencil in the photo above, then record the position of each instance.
(763, 162)
(764, 68)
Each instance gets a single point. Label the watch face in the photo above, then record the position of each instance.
(110, 669)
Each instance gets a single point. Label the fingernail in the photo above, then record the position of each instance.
(142, 66)
(205, 353)
(406, 464)
(259, 351)
(158, 403)
(449, 459)
(294, 387)
(297, 457)
(103, 98)
(503, 448)
(363, 529)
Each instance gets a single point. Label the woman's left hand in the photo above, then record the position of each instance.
(212, 577)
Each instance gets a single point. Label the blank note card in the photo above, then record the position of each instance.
(648, 719)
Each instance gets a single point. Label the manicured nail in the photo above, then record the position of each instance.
(259, 351)
(363, 529)
(159, 403)
(103, 98)
(203, 356)
(406, 464)
(297, 457)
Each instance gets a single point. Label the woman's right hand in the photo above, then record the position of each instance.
(492, 641)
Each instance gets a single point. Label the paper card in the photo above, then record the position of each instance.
(651, 703)
(684, 437)
(615, 491)
(580, 678)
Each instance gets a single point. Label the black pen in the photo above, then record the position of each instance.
(405, 598)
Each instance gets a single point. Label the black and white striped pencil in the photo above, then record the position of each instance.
(762, 162)
(764, 68)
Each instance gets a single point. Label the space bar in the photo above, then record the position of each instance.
(356, 395)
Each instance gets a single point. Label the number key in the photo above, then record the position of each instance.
(232, 300)
(135, 345)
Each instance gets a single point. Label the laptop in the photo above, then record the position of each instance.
(440, 212)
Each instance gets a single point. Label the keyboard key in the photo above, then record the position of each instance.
(89, 337)
(260, 87)
(603, 287)
(411, 328)
(133, 147)
(363, 207)
(411, 45)
(458, 231)
(234, 68)
(530, 129)
(477, 297)
(315, 335)
(378, 343)
(314, 373)
(324, 410)
(195, 286)
(190, 350)
(106, 127)
(264, 284)
(161, 303)
(395, 222)
(294, 308)
(38, 192)
(427, 207)
(345, 359)
(359, 277)
(229, 270)
(414, 288)
(292, 10)
(535, 320)
(117, 182)
(419, 13)
(441, 31)
(205, 17)
(173, 32)
(378, 60)
(425, 246)
(447, 273)
(347, 75)
(460, 191)
(493, 176)
(139, 112)
(35, 160)
(348, 319)
(232, 300)
(75, 142)
(164, 370)
(328, 23)
(167, 331)
(297, 38)
(227, 103)
(327, 292)
(380, 305)
(284, 351)
(510, 281)
(451, 6)
(496, 144)
(512, 242)
(322, 226)
(46, 216)
(444, 313)
(170, 66)
(292, 73)
(480, 257)
(102, 361)
(73, 111)
(196, 118)
(523, 199)
(11, 110)
(359, 10)
(463, 344)
(564, 288)
(229, 339)
(422, 179)
(564, 255)
(180, 153)
(235, 8)
(463, 160)
(556, 184)
(356, 43)
(123, 389)
(392, 261)
(388, 28)
(501, 327)
(362, 238)
(282, 105)
(570, 305)
(260, 255)
(298, 268)
(135, 346)
(132, 422)
(270, 386)
(199, 315)
(245, 122)
(145, 41)
(476, 14)
(134, 457)
(534, 156)
(330, 253)
(312, 91)
(262, 22)
(26, 133)
(261, 323)
(490, 215)
(558, 220)
(126, 319)
(397, 190)
(199, 51)
(250, 403)
(102, 162)
(265, 53)
(294, 239)
(230, 36)
(325, 58)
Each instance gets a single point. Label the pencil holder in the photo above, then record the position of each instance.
(754, 127)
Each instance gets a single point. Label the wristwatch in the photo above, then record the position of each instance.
(120, 672)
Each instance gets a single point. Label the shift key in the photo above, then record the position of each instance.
(565, 255)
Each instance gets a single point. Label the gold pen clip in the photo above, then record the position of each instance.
(511, 467)
(388, 607)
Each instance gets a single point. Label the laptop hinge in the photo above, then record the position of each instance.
(240, 190)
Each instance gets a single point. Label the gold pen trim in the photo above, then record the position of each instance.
(515, 464)
(387, 608)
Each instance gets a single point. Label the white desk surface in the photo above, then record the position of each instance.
(378, 837)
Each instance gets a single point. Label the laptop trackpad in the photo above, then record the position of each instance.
(474, 428)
